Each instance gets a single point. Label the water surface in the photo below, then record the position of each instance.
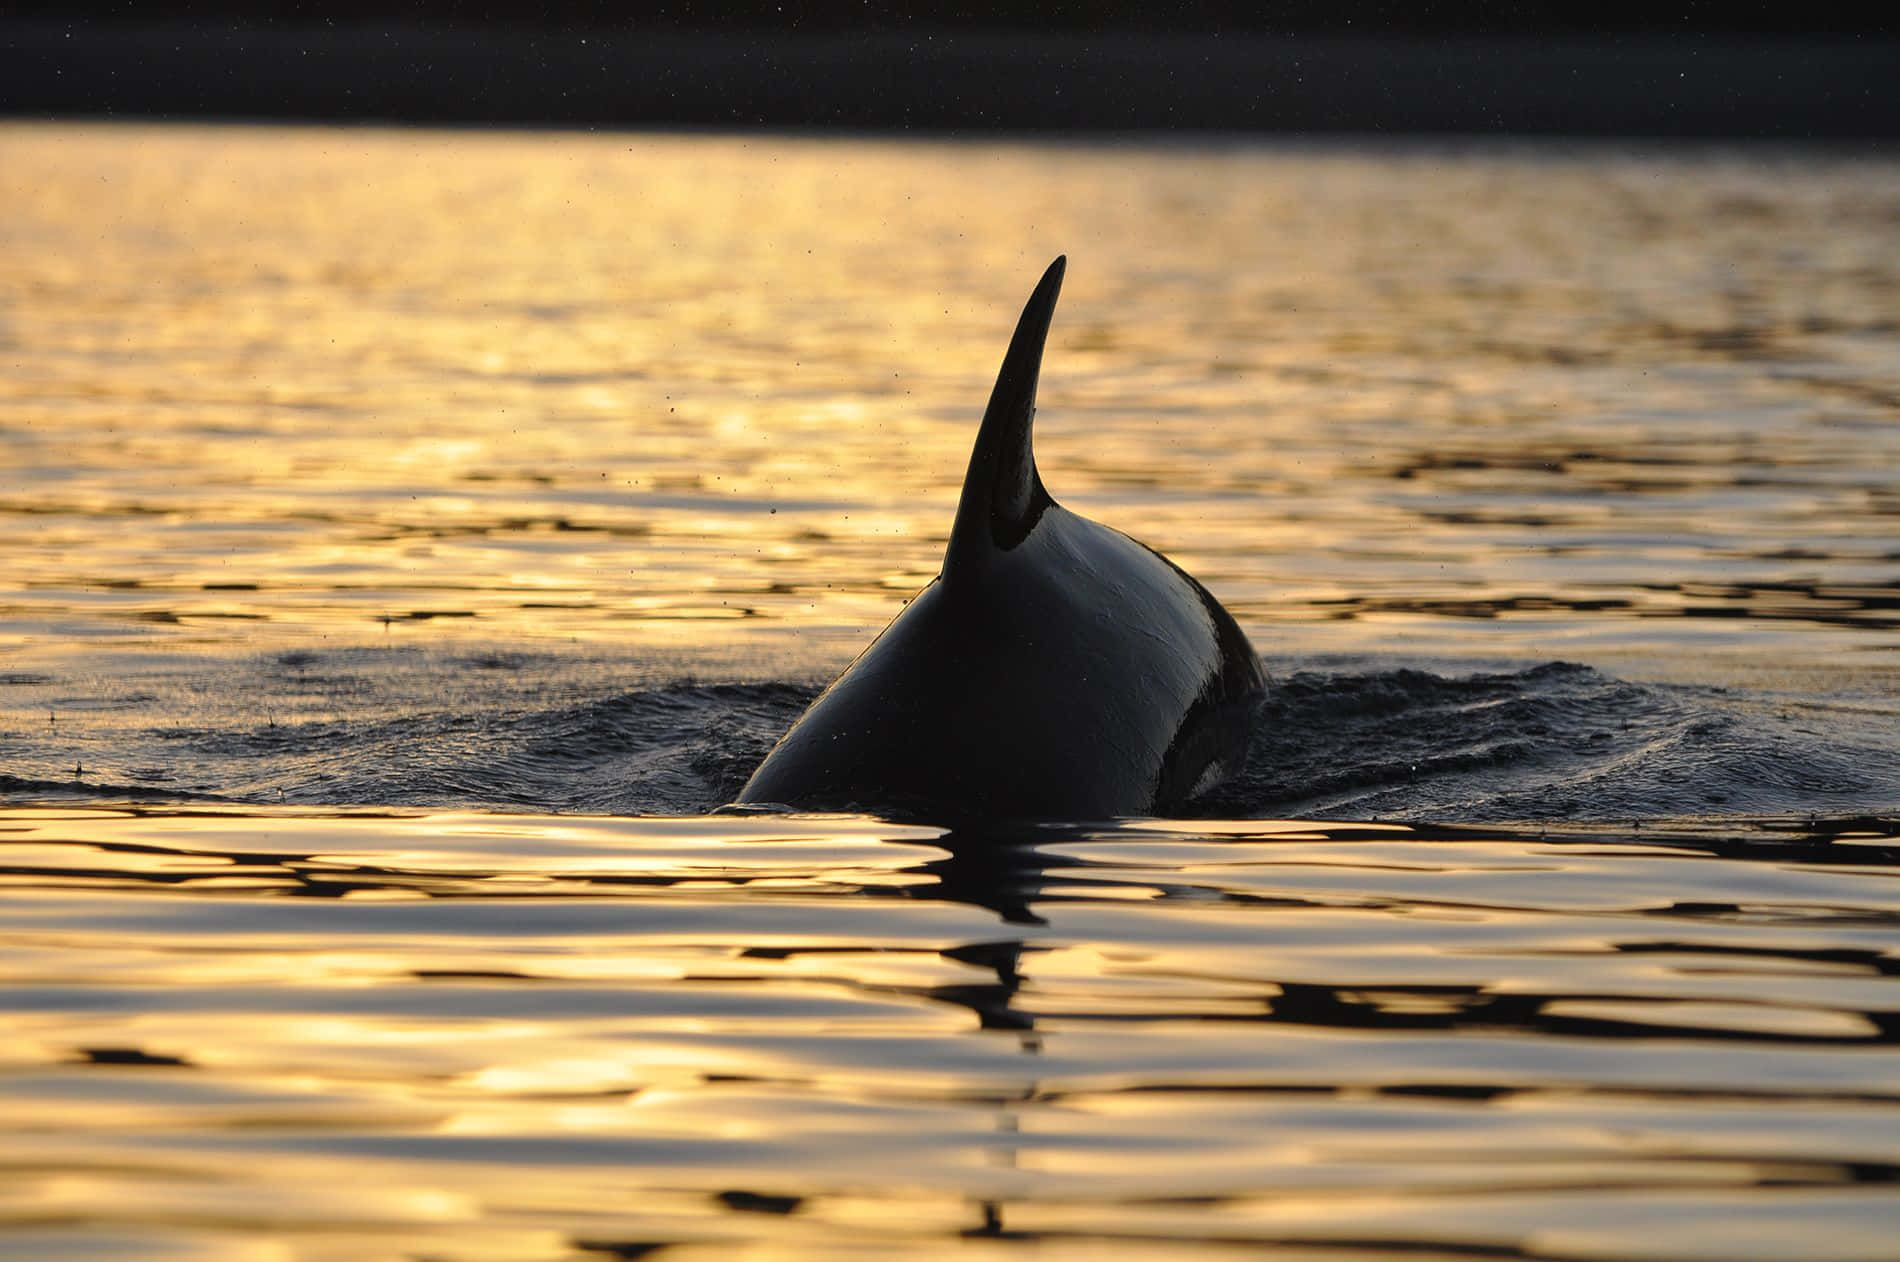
(276, 387)
(410, 536)
(549, 1036)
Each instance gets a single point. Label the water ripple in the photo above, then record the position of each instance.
(1349, 1038)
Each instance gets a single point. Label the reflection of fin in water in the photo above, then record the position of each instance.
(995, 871)
(994, 1002)
(990, 1003)
(994, 1006)
(1004, 876)
(992, 1228)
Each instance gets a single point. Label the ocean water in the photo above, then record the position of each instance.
(410, 537)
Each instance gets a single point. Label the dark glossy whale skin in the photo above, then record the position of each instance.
(1055, 670)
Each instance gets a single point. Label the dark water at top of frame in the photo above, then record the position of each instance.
(406, 538)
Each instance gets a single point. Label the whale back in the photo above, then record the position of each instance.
(1055, 668)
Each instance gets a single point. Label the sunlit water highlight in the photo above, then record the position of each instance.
(477, 1036)
(344, 472)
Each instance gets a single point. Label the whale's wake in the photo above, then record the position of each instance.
(1356, 740)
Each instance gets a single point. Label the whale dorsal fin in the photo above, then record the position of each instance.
(1003, 495)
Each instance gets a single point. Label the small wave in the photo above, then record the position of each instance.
(678, 749)
(39, 789)
(1555, 742)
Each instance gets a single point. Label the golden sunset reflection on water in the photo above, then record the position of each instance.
(272, 387)
(411, 535)
(1326, 1037)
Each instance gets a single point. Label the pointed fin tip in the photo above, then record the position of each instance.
(1003, 495)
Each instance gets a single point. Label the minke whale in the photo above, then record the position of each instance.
(1054, 670)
